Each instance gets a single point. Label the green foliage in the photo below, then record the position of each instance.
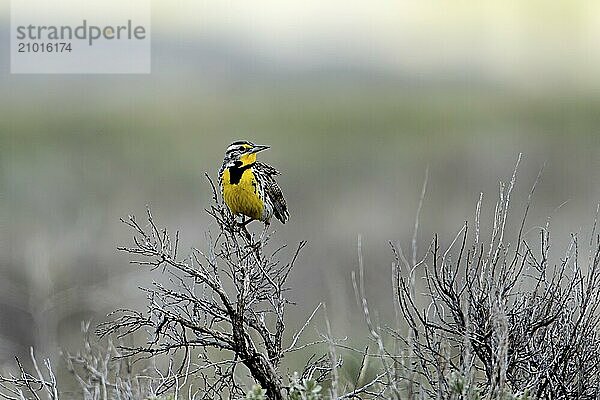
(304, 389)
(461, 388)
(300, 389)
(256, 393)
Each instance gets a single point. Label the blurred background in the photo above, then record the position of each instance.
(357, 99)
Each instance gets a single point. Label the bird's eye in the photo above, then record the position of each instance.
(241, 148)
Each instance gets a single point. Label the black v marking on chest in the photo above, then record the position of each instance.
(236, 172)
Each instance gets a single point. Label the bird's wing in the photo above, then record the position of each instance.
(273, 191)
(279, 205)
(266, 169)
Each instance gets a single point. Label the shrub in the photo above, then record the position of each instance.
(483, 317)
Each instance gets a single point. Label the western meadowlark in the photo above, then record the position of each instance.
(248, 186)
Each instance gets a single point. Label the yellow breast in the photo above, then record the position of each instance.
(242, 198)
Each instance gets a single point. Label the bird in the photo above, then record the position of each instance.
(248, 187)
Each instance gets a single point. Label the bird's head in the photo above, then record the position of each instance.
(241, 153)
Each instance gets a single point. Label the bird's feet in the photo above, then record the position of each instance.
(243, 228)
(245, 221)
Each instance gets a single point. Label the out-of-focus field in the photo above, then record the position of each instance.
(352, 160)
(79, 152)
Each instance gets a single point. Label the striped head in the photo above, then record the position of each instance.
(241, 153)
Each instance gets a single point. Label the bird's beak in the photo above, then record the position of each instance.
(258, 148)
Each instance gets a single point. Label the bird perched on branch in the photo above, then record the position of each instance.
(248, 186)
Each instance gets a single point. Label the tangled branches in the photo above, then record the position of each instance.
(480, 318)
(498, 319)
(229, 297)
